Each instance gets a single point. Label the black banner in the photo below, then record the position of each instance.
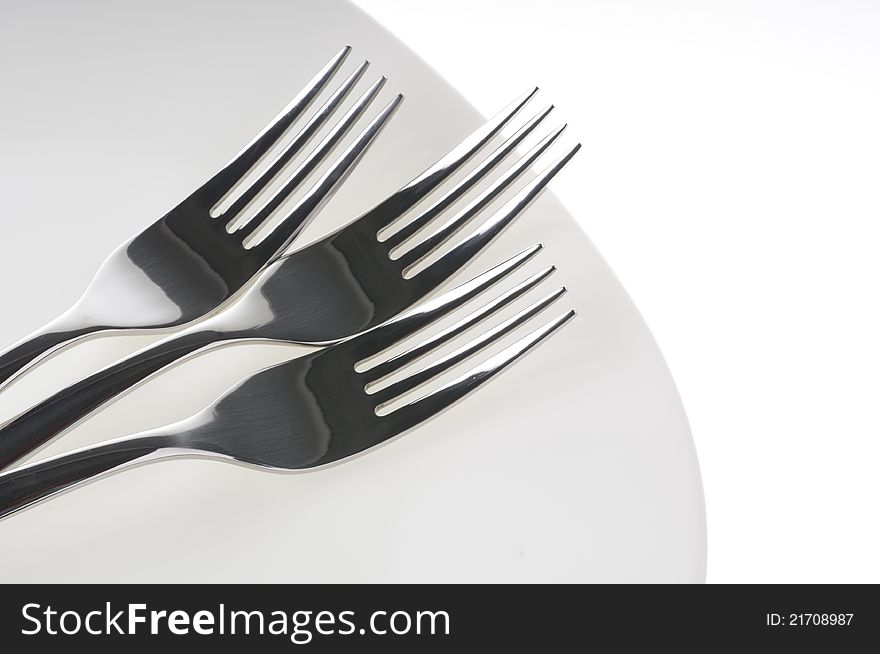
(434, 618)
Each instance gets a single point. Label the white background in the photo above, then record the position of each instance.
(731, 177)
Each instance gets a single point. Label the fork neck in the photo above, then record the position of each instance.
(42, 344)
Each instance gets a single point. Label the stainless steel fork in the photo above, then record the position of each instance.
(188, 262)
(315, 410)
(352, 280)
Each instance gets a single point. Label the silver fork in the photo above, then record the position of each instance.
(315, 410)
(334, 288)
(189, 259)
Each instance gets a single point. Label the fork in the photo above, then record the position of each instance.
(318, 409)
(188, 262)
(352, 280)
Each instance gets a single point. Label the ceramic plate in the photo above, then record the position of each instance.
(575, 465)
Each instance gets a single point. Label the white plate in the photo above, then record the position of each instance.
(576, 465)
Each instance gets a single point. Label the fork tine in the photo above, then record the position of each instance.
(378, 339)
(296, 145)
(379, 372)
(444, 233)
(453, 260)
(465, 352)
(312, 160)
(467, 183)
(282, 234)
(433, 403)
(387, 211)
(215, 188)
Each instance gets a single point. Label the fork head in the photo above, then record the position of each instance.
(369, 271)
(328, 405)
(198, 254)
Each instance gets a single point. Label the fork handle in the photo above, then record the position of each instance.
(65, 408)
(26, 486)
(34, 348)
